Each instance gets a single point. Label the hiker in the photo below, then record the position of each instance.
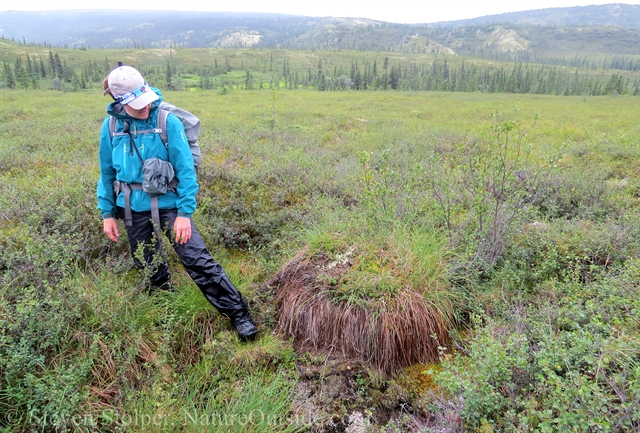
(124, 193)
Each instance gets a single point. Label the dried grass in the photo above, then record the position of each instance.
(110, 376)
(391, 334)
(191, 337)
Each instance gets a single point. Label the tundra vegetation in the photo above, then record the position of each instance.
(428, 261)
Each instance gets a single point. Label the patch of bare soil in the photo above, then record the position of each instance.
(338, 396)
(341, 396)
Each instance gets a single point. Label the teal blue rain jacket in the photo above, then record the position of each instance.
(119, 161)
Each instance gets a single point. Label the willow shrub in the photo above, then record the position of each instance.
(564, 362)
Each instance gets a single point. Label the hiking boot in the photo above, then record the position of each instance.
(246, 329)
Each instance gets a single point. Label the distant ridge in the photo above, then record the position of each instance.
(614, 14)
(605, 29)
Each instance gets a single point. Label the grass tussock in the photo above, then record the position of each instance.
(388, 333)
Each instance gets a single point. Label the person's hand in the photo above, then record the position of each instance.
(182, 229)
(111, 229)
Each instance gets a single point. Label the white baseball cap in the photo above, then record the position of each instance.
(129, 88)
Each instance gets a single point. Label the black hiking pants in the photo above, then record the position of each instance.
(208, 274)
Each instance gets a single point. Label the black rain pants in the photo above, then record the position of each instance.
(208, 274)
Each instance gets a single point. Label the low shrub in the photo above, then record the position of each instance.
(245, 205)
(479, 192)
(566, 361)
(39, 378)
(51, 227)
(566, 251)
(574, 193)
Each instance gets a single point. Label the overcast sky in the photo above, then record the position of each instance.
(398, 11)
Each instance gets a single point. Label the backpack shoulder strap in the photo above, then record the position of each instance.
(162, 125)
(112, 126)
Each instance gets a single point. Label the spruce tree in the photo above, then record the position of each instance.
(43, 71)
(9, 77)
(169, 77)
(248, 83)
(29, 66)
(23, 78)
(57, 66)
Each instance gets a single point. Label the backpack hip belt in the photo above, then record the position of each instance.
(127, 188)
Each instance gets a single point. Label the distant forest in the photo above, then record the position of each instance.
(437, 75)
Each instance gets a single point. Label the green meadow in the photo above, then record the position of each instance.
(502, 229)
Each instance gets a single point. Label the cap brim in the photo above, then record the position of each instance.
(143, 100)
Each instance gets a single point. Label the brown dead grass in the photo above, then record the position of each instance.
(109, 375)
(190, 339)
(388, 335)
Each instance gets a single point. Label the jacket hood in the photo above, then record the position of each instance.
(116, 109)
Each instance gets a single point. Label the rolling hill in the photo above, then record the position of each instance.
(556, 32)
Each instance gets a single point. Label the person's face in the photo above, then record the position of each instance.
(141, 114)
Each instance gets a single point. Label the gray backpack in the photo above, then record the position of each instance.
(190, 122)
